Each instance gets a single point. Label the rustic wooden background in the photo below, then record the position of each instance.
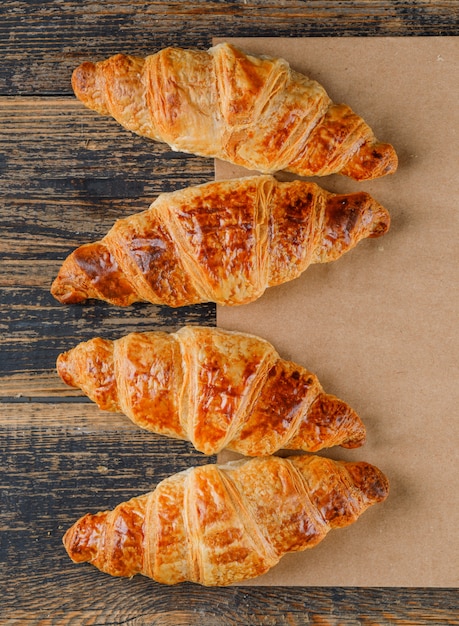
(66, 175)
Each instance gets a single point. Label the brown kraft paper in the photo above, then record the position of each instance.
(379, 325)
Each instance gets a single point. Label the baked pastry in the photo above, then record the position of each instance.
(216, 388)
(217, 525)
(252, 111)
(224, 242)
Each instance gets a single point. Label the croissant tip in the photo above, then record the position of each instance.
(388, 159)
(87, 87)
(83, 78)
(73, 545)
(375, 217)
(82, 540)
(65, 293)
(370, 480)
(381, 221)
(372, 160)
(63, 368)
(66, 540)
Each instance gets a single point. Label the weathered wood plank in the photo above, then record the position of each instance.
(25, 386)
(81, 415)
(42, 41)
(35, 329)
(66, 175)
(188, 606)
(58, 151)
(183, 606)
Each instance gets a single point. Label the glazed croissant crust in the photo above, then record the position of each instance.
(217, 525)
(213, 387)
(252, 111)
(222, 242)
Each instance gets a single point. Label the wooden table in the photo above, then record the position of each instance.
(66, 175)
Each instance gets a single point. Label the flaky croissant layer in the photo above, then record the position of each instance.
(217, 525)
(216, 388)
(223, 242)
(252, 111)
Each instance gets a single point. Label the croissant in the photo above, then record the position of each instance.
(217, 525)
(252, 111)
(222, 242)
(216, 388)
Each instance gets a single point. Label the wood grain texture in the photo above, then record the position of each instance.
(280, 606)
(56, 150)
(66, 174)
(43, 40)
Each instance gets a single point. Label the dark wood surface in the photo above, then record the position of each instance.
(66, 175)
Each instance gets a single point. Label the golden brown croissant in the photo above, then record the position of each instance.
(224, 242)
(216, 388)
(252, 111)
(217, 525)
